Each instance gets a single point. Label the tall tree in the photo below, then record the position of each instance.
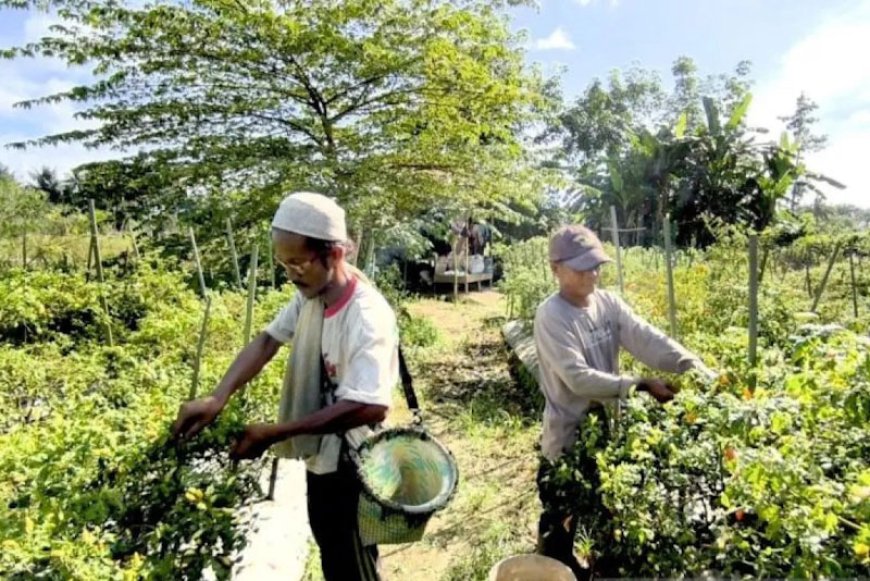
(390, 105)
(686, 97)
(801, 124)
(47, 180)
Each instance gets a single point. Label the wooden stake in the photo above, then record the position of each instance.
(672, 302)
(132, 233)
(854, 287)
(233, 253)
(24, 249)
(252, 293)
(753, 298)
(202, 287)
(764, 257)
(615, 234)
(273, 479)
(824, 283)
(194, 384)
(95, 245)
(271, 259)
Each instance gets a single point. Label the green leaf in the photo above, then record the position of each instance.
(712, 111)
(739, 112)
(680, 127)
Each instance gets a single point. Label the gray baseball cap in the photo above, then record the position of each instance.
(577, 247)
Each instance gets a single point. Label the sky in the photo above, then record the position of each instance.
(816, 46)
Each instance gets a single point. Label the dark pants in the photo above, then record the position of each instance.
(332, 511)
(566, 500)
(558, 523)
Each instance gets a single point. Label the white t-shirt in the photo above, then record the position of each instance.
(360, 349)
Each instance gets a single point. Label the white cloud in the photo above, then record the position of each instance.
(31, 78)
(38, 25)
(584, 3)
(827, 65)
(557, 40)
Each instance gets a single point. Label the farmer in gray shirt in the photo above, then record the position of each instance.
(578, 333)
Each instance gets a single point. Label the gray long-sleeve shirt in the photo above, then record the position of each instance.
(578, 359)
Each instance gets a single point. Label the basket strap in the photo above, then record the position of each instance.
(408, 387)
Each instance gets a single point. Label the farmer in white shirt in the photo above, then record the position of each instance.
(578, 333)
(338, 383)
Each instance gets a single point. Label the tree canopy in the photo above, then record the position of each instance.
(391, 105)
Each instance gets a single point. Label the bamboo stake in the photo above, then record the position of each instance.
(672, 303)
(271, 259)
(194, 384)
(615, 234)
(233, 253)
(753, 299)
(196, 259)
(252, 293)
(95, 245)
(273, 479)
(764, 257)
(132, 233)
(824, 283)
(854, 289)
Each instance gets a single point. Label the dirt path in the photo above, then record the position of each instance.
(475, 407)
(278, 547)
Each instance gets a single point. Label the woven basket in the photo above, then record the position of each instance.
(407, 476)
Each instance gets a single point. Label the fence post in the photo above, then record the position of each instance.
(202, 286)
(753, 298)
(252, 293)
(194, 385)
(824, 282)
(233, 253)
(271, 258)
(614, 223)
(95, 246)
(764, 258)
(132, 233)
(672, 303)
(854, 289)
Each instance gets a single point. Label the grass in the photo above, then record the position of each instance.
(472, 403)
(44, 250)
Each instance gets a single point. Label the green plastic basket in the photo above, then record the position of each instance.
(407, 476)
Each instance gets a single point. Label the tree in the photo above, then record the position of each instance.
(47, 180)
(620, 142)
(686, 98)
(389, 105)
(801, 123)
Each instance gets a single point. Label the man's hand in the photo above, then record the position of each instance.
(255, 440)
(661, 391)
(195, 415)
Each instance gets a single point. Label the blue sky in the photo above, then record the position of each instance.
(817, 46)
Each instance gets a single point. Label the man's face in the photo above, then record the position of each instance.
(304, 267)
(578, 283)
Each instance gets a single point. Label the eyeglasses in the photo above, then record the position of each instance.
(298, 268)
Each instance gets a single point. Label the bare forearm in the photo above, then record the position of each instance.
(339, 417)
(249, 362)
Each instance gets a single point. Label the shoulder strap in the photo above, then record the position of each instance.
(404, 374)
(408, 385)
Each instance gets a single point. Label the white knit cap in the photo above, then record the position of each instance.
(312, 215)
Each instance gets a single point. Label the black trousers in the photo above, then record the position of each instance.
(332, 512)
(563, 503)
(557, 526)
